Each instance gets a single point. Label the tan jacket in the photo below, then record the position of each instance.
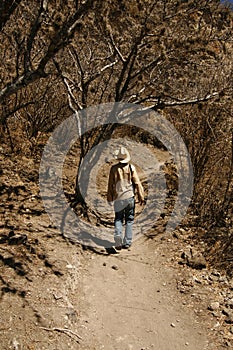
(120, 183)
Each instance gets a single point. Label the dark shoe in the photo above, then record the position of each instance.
(118, 242)
(126, 246)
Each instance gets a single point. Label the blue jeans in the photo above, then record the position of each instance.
(124, 210)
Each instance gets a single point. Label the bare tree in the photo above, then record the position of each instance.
(168, 56)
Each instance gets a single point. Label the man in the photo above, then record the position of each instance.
(122, 183)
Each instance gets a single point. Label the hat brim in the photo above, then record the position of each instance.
(126, 160)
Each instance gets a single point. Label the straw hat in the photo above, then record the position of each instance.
(122, 155)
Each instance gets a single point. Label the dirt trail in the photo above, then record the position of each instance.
(130, 301)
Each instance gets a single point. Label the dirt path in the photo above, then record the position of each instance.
(130, 301)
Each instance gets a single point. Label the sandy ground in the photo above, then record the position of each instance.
(130, 301)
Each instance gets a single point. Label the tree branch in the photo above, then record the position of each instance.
(33, 32)
(161, 103)
(116, 48)
(59, 40)
(66, 331)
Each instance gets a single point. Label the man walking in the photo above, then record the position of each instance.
(122, 183)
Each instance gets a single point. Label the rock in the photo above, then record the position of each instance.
(214, 306)
(214, 277)
(17, 239)
(115, 267)
(216, 273)
(186, 255)
(173, 325)
(197, 280)
(223, 280)
(225, 311)
(229, 303)
(182, 231)
(229, 318)
(229, 315)
(227, 344)
(197, 262)
(70, 267)
(194, 259)
(176, 235)
(216, 314)
(230, 283)
(57, 266)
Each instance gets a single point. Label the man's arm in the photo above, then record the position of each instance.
(138, 185)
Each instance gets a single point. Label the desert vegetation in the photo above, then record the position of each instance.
(175, 57)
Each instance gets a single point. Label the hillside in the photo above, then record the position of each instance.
(52, 289)
(78, 78)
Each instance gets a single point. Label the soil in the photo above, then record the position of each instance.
(56, 294)
(131, 302)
